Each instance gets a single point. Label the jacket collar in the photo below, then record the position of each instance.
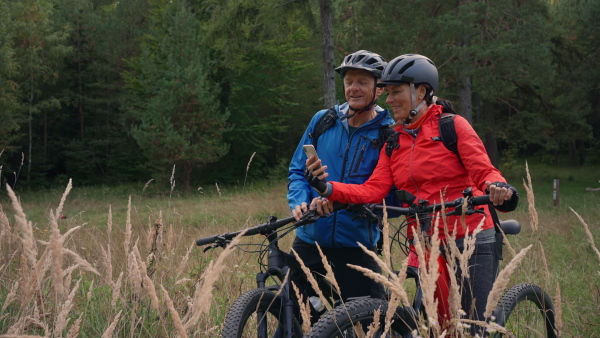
(379, 120)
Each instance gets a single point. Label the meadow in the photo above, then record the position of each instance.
(121, 261)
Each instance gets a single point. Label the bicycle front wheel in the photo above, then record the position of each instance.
(526, 310)
(258, 313)
(353, 318)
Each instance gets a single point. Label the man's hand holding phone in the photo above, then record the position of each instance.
(315, 173)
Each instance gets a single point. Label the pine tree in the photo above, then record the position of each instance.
(10, 116)
(90, 141)
(39, 48)
(175, 102)
(262, 51)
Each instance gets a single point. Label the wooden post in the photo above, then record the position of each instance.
(556, 193)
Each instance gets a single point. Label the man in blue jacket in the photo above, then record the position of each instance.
(350, 148)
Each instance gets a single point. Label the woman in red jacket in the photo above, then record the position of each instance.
(422, 165)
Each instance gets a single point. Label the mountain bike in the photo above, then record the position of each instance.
(524, 310)
(270, 311)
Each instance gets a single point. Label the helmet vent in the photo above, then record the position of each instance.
(359, 58)
(406, 66)
(370, 61)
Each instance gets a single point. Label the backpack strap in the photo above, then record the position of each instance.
(384, 134)
(393, 143)
(325, 122)
(448, 132)
(447, 135)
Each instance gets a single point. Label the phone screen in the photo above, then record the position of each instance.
(310, 150)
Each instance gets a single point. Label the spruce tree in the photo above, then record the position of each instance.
(39, 47)
(174, 99)
(9, 112)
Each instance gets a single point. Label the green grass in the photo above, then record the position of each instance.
(571, 260)
(573, 181)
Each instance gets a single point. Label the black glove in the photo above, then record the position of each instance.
(319, 185)
(512, 203)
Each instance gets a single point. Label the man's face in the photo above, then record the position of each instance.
(358, 88)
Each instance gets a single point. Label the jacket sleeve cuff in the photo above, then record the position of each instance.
(329, 190)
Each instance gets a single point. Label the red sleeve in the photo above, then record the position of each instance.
(474, 156)
(373, 190)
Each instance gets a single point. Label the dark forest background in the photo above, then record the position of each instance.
(121, 91)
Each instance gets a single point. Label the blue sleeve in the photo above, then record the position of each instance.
(298, 188)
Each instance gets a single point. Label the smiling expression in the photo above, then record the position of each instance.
(400, 101)
(358, 88)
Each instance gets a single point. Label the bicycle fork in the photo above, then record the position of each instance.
(277, 268)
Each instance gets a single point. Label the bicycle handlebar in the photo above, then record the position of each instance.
(457, 203)
(249, 232)
(312, 216)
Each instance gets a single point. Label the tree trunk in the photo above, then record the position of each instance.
(79, 80)
(328, 61)
(30, 133)
(491, 144)
(354, 29)
(465, 107)
(575, 158)
(186, 176)
(45, 136)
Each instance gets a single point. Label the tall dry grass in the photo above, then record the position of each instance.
(139, 274)
(428, 251)
(61, 281)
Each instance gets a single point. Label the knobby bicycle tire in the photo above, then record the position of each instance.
(526, 311)
(241, 320)
(346, 319)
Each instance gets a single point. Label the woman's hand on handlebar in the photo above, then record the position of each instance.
(322, 206)
(299, 210)
(503, 194)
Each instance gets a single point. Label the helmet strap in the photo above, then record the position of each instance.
(414, 110)
(365, 108)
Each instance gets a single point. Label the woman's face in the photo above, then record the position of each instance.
(400, 101)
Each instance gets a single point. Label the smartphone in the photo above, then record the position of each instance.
(310, 150)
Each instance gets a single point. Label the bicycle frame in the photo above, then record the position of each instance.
(279, 265)
(423, 212)
(526, 303)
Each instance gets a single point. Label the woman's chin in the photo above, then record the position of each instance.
(398, 117)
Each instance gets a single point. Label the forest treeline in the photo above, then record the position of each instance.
(119, 91)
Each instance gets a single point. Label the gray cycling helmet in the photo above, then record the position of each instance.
(410, 68)
(363, 60)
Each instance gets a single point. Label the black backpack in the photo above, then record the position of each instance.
(447, 135)
(328, 120)
(387, 134)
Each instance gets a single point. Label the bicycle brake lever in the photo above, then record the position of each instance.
(220, 242)
(208, 248)
(455, 212)
(311, 216)
(476, 211)
(469, 212)
(369, 213)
